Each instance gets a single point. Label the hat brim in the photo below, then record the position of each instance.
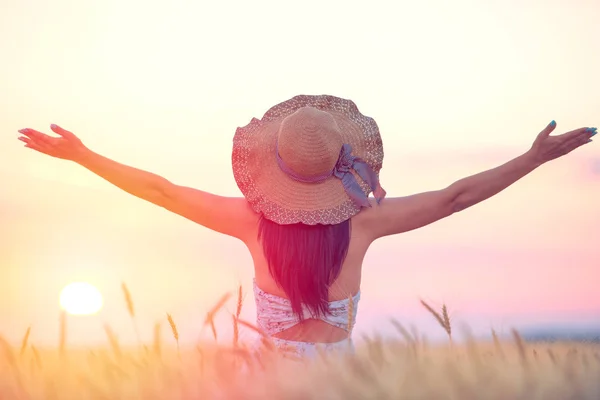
(284, 200)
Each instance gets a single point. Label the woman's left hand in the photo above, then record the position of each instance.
(67, 146)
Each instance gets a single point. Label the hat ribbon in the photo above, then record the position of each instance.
(342, 170)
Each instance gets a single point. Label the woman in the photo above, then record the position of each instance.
(306, 170)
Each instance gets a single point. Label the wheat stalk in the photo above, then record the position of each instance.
(114, 343)
(213, 329)
(552, 356)
(497, 345)
(268, 343)
(209, 320)
(25, 341)
(131, 311)
(243, 353)
(36, 356)
(443, 319)
(236, 332)
(174, 331)
(447, 324)
(520, 347)
(437, 316)
(128, 300)
(403, 331)
(265, 339)
(238, 311)
(415, 334)
(211, 314)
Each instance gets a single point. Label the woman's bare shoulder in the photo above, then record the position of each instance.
(401, 214)
(232, 216)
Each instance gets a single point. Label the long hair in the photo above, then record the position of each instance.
(304, 260)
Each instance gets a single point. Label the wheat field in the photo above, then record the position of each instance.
(407, 367)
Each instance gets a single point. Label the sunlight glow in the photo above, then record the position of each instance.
(80, 298)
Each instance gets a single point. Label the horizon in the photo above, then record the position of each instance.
(455, 89)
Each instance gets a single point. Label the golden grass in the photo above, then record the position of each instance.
(406, 367)
(131, 310)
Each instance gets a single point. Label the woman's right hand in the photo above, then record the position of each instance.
(67, 146)
(547, 148)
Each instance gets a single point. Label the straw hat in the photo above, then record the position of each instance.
(310, 159)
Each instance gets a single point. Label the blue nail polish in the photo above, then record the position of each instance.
(593, 133)
(553, 123)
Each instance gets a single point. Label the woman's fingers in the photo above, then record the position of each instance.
(30, 144)
(39, 136)
(63, 132)
(578, 136)
(36, 148)
(576, 142)
(574, 134)
(548, 129)
(51, 145)
(37, 145)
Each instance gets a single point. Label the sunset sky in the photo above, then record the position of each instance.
(455, 87)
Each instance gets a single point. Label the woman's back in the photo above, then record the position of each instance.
(347, 284)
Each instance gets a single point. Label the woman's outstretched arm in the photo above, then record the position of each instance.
(401, 214)
(229, 215)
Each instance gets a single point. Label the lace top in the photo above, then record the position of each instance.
(274, 313)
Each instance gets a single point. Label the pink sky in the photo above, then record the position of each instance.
(455, 90)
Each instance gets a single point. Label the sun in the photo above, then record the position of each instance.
(80, 298)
